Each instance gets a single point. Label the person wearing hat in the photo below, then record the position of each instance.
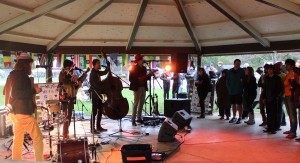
(22, 106)
(272, 96)
(69, 84)
(97, 105)
(138, 84)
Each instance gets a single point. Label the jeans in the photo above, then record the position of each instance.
(26, 123)
(291, 110)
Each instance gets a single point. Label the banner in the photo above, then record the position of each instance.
(6, 58)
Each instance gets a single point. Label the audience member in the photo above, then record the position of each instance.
(223, 101)
(235, 89)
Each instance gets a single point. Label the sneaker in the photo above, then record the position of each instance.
(263, 124)
(291, 136)
(238, 121)
(233, 120)
(221, 118)
(227, 118)
(286, 132)
(298, 139)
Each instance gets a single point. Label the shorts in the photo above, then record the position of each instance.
(236, 99)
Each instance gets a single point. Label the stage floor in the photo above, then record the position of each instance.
(211, 140)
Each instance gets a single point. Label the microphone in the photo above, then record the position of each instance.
(39, 66)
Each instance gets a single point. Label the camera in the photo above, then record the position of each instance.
(293, 84)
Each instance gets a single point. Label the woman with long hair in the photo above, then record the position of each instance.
(22, 107)
(203, 84)
(250, 86)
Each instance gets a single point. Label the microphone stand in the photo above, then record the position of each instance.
(82, 106)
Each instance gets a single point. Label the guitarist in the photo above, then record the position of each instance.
(68, 84)
(97, 105)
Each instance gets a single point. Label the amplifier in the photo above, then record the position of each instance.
(70, 151)
(6, 126)
(173, 105)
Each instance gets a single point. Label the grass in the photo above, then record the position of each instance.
(126, 93)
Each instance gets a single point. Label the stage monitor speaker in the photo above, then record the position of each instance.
(70, 151)
(167, 131)
(179, 63)
(181, 118)
(136, 153)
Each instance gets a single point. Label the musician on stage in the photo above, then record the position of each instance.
(19, 93)
(68, 87)
(138, 83)
(97, 105)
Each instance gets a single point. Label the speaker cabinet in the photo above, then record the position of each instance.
(179, 62)
(181, 118)
(167, 131)
(173, 105)
(136, 153)
(70, 151)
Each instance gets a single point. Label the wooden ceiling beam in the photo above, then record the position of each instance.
(226, 11)
(287, 6)
(188, 24)
(87, 16)
(37, 12)
(136, 23)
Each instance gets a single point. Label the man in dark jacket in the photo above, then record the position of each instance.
(138, 83)
(97, 105)
(272, 96)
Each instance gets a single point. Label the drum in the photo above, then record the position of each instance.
(53, 105)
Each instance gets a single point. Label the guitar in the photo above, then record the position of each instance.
(72, 89)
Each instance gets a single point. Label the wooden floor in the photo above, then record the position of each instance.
(211, 140)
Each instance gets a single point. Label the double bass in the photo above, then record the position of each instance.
(116, 107)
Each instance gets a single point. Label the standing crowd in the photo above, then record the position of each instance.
(277, 86)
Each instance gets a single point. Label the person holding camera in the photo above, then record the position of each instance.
(290, 82)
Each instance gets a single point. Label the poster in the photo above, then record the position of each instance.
(208, 103)
(49, 92)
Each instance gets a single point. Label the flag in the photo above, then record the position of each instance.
(41, 59)
(114, 58)
(58, 60)
(89, 61)
(125, 59)
(6, 58)
(62, 59)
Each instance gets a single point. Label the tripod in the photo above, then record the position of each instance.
(25, 144)
(120, 130)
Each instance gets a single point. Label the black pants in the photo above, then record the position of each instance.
(166, 90)
(225, 111)
(274, 114)
(97, 109)
(202, 98)
(175, 89)
(262, 108)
